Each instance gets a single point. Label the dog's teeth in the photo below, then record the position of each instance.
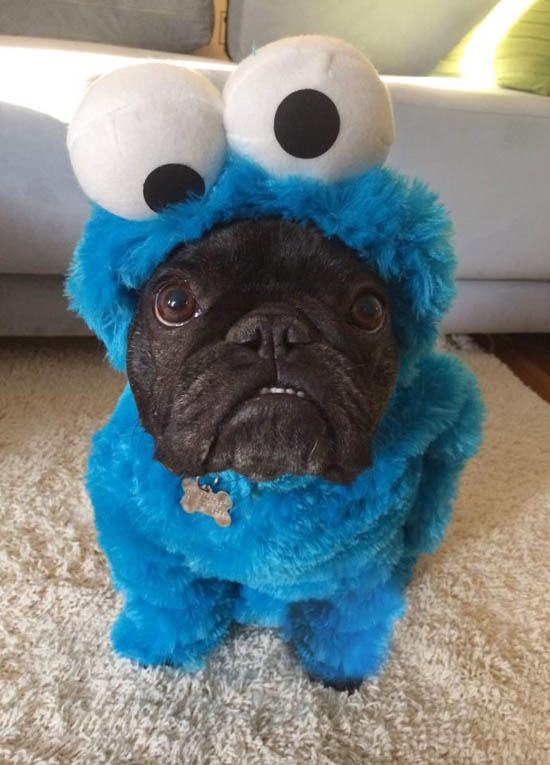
(289, 391)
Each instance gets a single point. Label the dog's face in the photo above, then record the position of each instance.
(265, 348)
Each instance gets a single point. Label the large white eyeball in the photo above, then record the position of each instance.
(146, 137)
(311, 106)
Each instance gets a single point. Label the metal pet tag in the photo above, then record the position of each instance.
(203, 499)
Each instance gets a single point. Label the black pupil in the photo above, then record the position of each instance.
(168, 184)
(369, 306)
(177, 300)
(306, 123)
(368, 312)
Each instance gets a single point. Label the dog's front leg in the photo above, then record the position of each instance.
(179, 635)
(170, 615)
(343, 640)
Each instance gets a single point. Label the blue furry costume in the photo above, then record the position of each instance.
(326, 563)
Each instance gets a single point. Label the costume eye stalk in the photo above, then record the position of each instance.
(368, 312)
(147, 137)
(174, 305)
(309, 106)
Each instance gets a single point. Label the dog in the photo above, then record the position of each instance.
(265, 348)
(290, 440)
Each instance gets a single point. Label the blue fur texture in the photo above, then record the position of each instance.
(325, 563)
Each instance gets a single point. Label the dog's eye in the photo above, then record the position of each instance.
(368, 312)
(175, 305)
(309, 106)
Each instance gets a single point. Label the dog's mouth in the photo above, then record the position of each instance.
(279, 429)
(282, 391)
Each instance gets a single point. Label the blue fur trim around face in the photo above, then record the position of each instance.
(325, 563)
(395, 224)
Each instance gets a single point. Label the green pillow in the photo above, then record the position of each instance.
(521, 59)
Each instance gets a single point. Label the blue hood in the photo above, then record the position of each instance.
(395, 224)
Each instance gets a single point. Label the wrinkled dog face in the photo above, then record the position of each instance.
(266, 348)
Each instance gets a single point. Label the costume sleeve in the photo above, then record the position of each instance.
(136, 563)
(460, 409)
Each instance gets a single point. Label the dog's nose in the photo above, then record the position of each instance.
(271, 333)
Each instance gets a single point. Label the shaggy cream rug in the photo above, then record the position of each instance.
(469, 676)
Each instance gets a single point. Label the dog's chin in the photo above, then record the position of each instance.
(273, 435)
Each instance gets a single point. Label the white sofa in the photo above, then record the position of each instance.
(486, 152)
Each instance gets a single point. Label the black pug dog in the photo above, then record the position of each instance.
(266, 348)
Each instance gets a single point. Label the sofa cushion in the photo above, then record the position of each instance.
(523, 58)
(399, 36)
(499, 306)
(170, 25)
(517, 57)
(487, 153)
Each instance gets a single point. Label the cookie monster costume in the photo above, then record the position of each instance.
(301, 132)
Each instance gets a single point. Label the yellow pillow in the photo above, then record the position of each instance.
(519, 56)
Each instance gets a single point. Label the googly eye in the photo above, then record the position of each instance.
(311, 106)
(146, 137)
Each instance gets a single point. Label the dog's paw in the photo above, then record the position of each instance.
(154, 636)
(146, 635)
(349, 686)
(178, 637)
(341, 642)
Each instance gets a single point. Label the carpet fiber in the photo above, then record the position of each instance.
(468, 677)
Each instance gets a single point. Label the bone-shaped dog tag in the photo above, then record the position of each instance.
(203, 499)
